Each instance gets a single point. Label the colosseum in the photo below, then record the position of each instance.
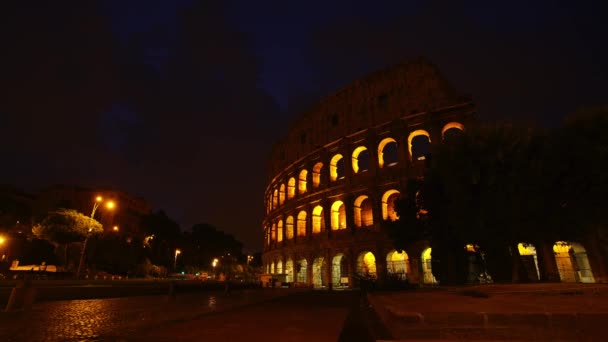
(334, 179)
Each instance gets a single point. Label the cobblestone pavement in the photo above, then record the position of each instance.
(91, 320)
(307, 316)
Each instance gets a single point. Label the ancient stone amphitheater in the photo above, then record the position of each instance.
(333, 180)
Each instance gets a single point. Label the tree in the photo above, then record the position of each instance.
(162, 236)
(65, 226)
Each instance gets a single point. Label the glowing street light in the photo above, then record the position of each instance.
(214, 263)
(2, 239)
(96, 204)
(115, 228)
(177, 252)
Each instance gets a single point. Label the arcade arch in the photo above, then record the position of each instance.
(318, 221)
(336, 168)
(363, 212)
(387, 152)
(339, 271)
(418, 142)
(280, 231)
(291, 188)
(388, 204)
(318, 268)
(572, 262)
(360, 159)
(366, 264)
(338, 215)
(316, 174)
(289, 227)
(302, 181)
(300, 271)
(427, 268)
(301, 224)
(282, 194)
(397, 263)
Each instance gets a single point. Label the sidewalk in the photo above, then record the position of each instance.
(542, 311)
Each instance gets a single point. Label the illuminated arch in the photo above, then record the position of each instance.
(300, 271)
(336, 167)
(318, 221)
(280, 231)
(302, 181)
(289, 228)
(450, 125)
(316, 174)
(272, 268)
(301, 224)
(339, 271)
(289, 271)
(275, 198)
(279, 267)
(397, 263)
(412, 136)
(291, 188)
(359, 152)
(273, 233)
(338, 215)
(572, 262)
(282, 194)
(381, 149)
(318, 272)
(388, 204)
(527, 253)
(427, 268)
(363, 212)
(366, 264)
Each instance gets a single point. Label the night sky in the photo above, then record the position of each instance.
(179, 101)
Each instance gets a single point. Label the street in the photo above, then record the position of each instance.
(249, 315)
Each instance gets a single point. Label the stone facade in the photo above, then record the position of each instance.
(359, 146)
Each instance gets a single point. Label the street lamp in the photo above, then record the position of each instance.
(249, 259)
(115, 228)
(2, 240)
(177, 252)
(98, 200)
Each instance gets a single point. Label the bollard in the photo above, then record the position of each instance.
(22, 296)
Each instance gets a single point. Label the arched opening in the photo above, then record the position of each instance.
(572, 262)
(301, 224)
(302, 181)
(273, 233)
(529, 259)
(267, 268)
(272, 268)
(280, 231)
(366, 265)
(338, 215)
(267, 235)
(316, 174)
(318, 222)
(397, 264)
(476, 265)
(363, 212)
(318, 267)
(452, 130)
(301, 266)
(419, 144)
(275, 199)
(339, 271)
(336, 167)
(427, 268)
(387, 152)
(279, 269)
(388, 204)
(291, 188)
(289, 271)
(360, 159)
(282, 194)
(289, 228)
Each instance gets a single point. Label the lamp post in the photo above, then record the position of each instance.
(2, 240)
(96, 204)
(177, 252)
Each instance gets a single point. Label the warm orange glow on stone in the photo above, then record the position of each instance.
(282, 194)
(333, 167)
(413, 135)
(301, 223)
(397, 262)
(355, 157)
(338, 215)
(381, 146)
(273, 233)
(363, 212)
(280, 231)
(451, 125)
(291, 188)
(289, 228)
(388, 205)
(275, 199)
(302, 181)
(318, 223)
(316, 174)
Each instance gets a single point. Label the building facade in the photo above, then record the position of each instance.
(334, 179)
